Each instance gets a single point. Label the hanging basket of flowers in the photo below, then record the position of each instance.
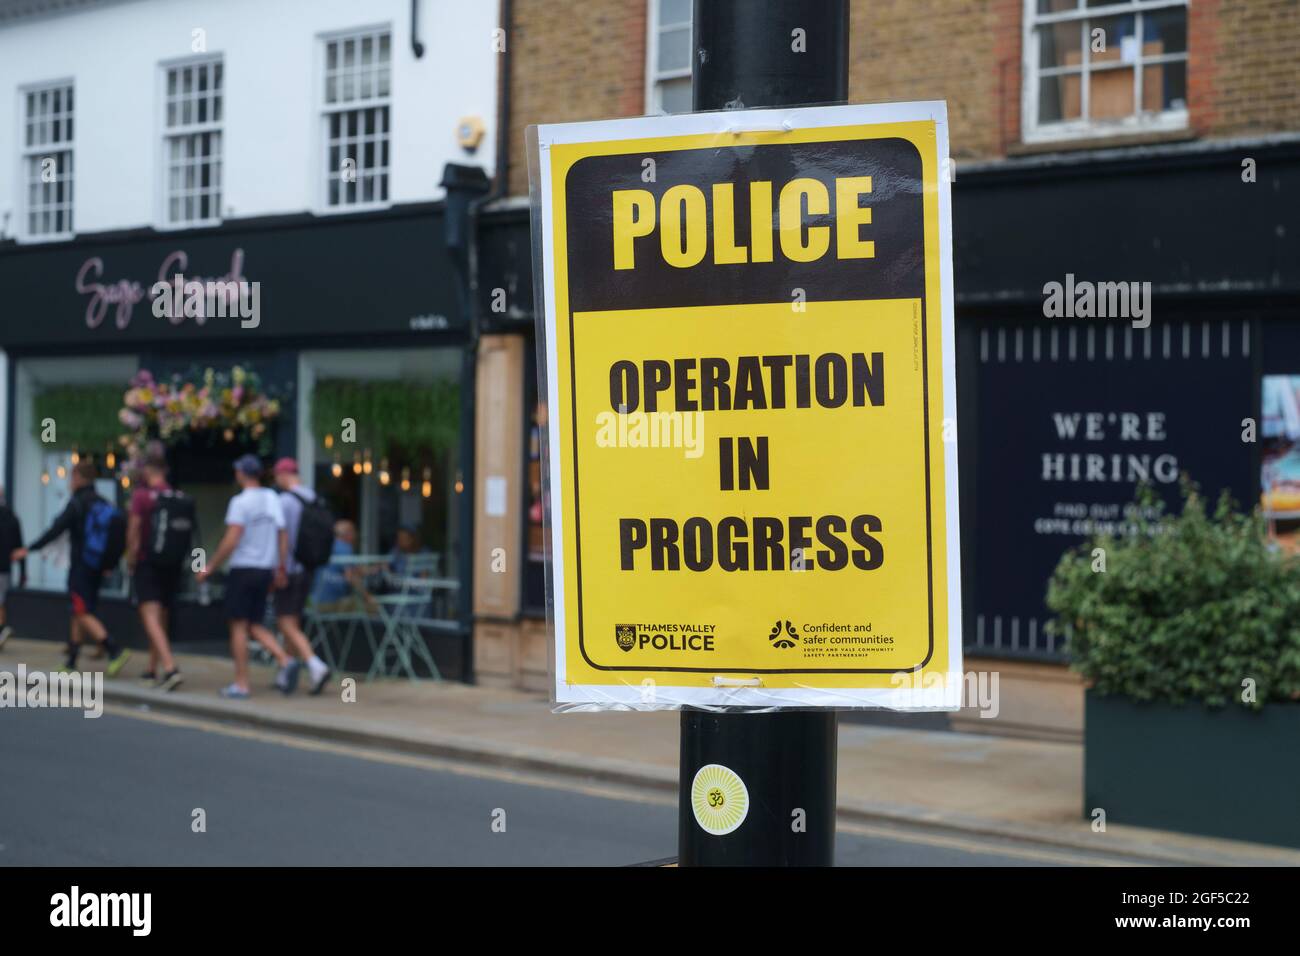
(211, 407)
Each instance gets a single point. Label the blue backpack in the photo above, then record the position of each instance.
(104, 539)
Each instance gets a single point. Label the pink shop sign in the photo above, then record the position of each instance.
(123, 295)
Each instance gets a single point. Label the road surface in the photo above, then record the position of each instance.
(125, 790)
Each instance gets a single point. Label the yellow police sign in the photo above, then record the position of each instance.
(748, 359)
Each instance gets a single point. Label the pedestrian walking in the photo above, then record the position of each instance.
(158, 537)
(11, 539)
(257, 545)
(97, 537)
(310, 528)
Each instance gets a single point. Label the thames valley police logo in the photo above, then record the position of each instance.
(625, 634)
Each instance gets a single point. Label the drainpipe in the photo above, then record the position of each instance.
(416, 46)
(465, 186)
(468, 191)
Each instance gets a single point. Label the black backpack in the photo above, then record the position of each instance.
(171, 529)
(315, 543)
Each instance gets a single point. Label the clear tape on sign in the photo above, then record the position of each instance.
(720, 681)
(784, 127)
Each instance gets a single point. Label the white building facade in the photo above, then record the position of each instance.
(276, 86)
(298, 146)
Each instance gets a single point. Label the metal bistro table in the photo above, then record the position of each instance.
(403, 613)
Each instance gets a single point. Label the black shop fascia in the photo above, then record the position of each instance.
(279, 293)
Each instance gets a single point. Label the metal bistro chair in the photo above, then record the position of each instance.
(404, 614)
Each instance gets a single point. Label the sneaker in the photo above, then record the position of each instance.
(319, 677)
(116, 664)
(170, 681)
(5, 633)
(234, 692)
(148, 677)
(286, 681)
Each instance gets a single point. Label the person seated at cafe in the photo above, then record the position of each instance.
(408, 544)
(333, 589)
(401, 565)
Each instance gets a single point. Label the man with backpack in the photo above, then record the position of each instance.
(257, 545)
(311, 542)
(158, 539)
(97, 533)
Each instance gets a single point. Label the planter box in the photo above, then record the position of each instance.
(1229, 773)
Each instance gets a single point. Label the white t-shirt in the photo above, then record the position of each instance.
(258, 512)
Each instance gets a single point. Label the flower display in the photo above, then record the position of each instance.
(230, 403)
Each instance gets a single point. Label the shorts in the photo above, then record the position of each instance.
(83, 588)
(153, 583)
(292, 598)
(246, 594)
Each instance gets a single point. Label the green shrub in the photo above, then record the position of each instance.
(1187, 608)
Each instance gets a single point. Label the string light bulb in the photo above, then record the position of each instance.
(329, 441)
(337, 468)
(366, 465)
(110, 460)
(356, 463)
(61, 472)
(426, 488)
(45, 477)
(384, 477)
(406, 478)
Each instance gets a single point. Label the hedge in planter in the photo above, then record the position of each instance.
(1191, 630)
(1187, 608)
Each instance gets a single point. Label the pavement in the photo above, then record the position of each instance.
(1014, 791)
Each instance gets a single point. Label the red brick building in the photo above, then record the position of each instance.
(1140, 140)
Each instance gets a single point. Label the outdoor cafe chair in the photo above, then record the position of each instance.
(404, 614)
(352, 614)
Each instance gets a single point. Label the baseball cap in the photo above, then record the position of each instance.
(248, 465)
(286, 466)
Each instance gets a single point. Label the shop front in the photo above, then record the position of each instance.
(1064, 411)
(339, 341)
